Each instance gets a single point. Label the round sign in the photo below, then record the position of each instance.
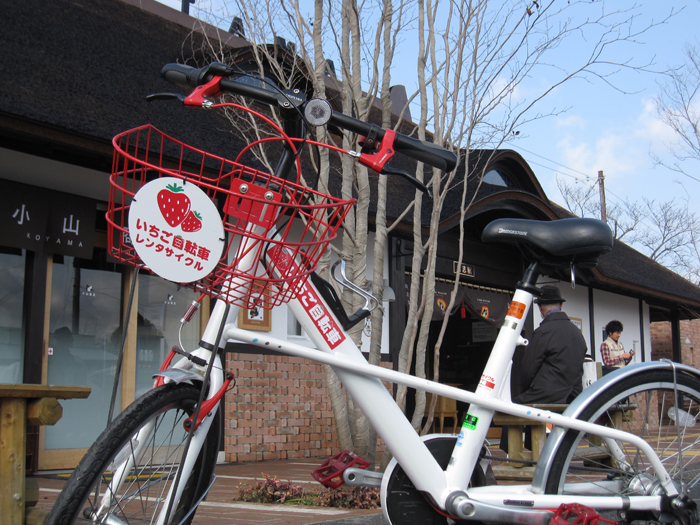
(176, 229)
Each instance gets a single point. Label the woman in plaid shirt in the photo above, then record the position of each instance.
(611, 350)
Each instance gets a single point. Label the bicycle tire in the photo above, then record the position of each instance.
(148, 480)
(642, 404)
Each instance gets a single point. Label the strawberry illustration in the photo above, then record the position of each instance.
(173, 204)
(192, 223)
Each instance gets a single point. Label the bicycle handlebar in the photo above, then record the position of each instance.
(419, 150)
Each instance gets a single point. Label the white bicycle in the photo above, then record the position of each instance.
(626, 444)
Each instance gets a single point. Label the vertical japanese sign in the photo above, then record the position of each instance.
(324, 321)
(40, 219)
(71, 226)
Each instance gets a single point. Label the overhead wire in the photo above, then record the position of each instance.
(587, 178)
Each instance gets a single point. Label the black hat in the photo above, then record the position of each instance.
(550, 295)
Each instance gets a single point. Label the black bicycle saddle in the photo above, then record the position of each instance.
(580, 241)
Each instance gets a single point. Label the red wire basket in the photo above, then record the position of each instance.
(276, 230)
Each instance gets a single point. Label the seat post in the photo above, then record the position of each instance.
(529, 280)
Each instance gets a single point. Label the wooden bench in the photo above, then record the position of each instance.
(516, 426)
(21, 405)
(445, 407)
(595, 451)
(592, 451)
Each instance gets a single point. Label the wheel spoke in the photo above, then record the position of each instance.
(644, 405)
(152, 462)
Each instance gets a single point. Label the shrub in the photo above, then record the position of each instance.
(272, 490)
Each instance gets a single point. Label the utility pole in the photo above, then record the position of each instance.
(186, 6)
(601, 185)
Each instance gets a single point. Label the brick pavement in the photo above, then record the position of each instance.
(221, 509)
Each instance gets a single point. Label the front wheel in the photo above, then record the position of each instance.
(644, 404)
(148, 437)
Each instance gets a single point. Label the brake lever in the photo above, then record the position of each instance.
(378, 161)
(199, 96)
(388, 170)
(165, 96)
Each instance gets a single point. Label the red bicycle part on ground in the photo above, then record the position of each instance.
(330, 473)
(574, 514)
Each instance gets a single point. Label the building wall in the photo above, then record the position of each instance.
(576, 306)
(279, 409)
(662, 346)
(608, 307)
(661, 342)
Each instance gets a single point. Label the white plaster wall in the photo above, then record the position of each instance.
(608, 306)
(576, 305)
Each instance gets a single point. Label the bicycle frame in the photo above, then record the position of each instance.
(447, 489)
(363, 382)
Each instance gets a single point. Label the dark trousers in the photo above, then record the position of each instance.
(504, 438)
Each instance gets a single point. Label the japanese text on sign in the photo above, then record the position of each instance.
(176, 230)
(463, 269)
(323, 321)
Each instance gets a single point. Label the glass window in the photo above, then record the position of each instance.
(496, 178)
(84, 344)
(293, 326)
(161, 306)
(11, 319)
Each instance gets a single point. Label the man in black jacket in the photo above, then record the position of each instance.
(554, 358)
(552, 366)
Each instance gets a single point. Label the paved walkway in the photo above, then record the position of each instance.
(221, 509)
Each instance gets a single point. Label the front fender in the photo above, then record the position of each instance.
(588, 396)
(178, 375)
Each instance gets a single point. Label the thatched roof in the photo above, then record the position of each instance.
(75, 73)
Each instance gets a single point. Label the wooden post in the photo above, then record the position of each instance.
(128, 373)
(44, 411)
(12, 452)
(603, 206)
(19, 403)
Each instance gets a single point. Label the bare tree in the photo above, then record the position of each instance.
(583, 200)
(667, 232)
(342, 27)
(677, 106)
(472, 57)
(468, 96)
(668, 237)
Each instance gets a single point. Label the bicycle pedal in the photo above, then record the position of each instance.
(330, 473)
(574, 514)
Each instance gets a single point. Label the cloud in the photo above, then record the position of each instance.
(570, 121)
(621, 150)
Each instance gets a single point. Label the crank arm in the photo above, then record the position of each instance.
(357, 477)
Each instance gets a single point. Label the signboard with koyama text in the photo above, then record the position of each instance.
(44, 220)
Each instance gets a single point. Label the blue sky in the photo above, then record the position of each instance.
(615, 132)
(605, 129)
